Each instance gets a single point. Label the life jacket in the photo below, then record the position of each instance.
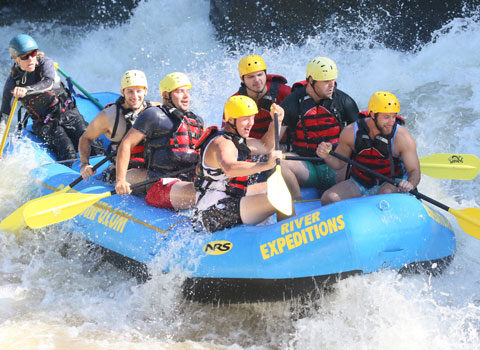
(317, 123)
(215, 179)
(365, 114)
(179, 146)
(376, 154)
(263, 118)
(45, 105)
(137, 158)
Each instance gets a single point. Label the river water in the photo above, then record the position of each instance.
(55, 295)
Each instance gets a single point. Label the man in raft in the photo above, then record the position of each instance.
(379, 143)
(265, 89)
(169, 133)
(223, 197)
(316, 111)
(34, 80)
(116, 120)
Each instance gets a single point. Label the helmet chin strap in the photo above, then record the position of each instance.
(170, 101)
(314, 90)
(234, 126)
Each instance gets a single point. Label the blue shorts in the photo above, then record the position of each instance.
(373, 190)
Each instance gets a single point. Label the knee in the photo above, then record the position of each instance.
(329, 197)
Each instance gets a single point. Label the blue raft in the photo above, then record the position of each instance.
(275, 261)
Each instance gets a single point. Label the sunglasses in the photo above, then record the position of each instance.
(28, 55)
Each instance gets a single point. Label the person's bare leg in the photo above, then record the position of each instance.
(343, 190)
(388, 188)
(182, 195)
(258, 188)
(136, 175)
(340, 174)
(298, 168)
(292, 182)
(255, 209)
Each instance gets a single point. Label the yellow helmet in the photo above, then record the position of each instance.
(383, 102)
(239, 106)
(133, 78)
(322, 68)
(250, 64)
(174, 81)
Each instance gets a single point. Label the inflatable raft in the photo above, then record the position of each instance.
(273, 261)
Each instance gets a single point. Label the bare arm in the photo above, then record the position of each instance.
(223, 154)
(133, 138)
(406, 148)
(95, 129)
(344, 148)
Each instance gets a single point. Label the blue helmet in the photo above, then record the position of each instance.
(22, 43)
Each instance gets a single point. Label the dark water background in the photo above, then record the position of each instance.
(401, 25)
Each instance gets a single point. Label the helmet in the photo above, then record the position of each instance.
(173, 81)
(322, 68)
(239, 106)
(22, 43)
(250, 64)
(133, 78)
(383, 102)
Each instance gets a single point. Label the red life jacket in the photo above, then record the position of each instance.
(189, 131)
(376, 154)
(316, 124)
(277, 90)
(206, 178)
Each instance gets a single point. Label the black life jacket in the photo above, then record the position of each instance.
(45, 105)
(376, 154)
(179, 145)
(262, 118)
(206, 178)
(137, 157)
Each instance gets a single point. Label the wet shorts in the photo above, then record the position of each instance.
(373, 190)
(320, 176)
(224, 214)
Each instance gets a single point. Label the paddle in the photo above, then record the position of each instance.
(451, 166)
(468, 219)
(7, 128)
(277, 191)
(15, 221)
(65, 206)
(440, 165)
(90, 97)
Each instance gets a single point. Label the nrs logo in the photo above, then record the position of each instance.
(217, 247)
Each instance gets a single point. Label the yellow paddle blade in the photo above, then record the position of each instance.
(60, 207)
(450, 166)
(15, 221)
(277, 192)
(468, 219)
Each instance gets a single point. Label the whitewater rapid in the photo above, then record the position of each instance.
(54, 293)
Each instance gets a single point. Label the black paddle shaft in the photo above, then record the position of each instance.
(95, 167)
(277, 137)
(389, 180)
